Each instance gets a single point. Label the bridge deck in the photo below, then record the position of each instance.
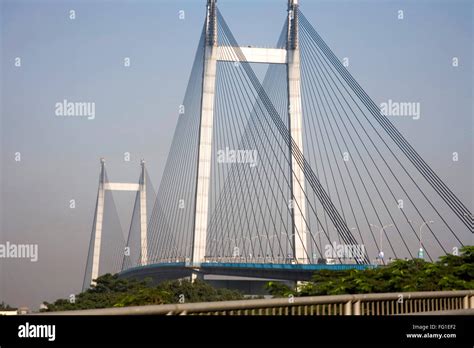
(174, 270)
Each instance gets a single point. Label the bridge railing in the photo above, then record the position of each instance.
(363, 304)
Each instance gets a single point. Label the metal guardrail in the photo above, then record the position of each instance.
(363, 304)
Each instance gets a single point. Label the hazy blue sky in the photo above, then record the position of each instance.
(137, 107)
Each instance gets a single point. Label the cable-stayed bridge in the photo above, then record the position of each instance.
(277, 178)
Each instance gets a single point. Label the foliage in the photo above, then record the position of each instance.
(111, 291)
(6, 307)
(278, 289)
(450, 272)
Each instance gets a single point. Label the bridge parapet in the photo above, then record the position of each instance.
(361, 304)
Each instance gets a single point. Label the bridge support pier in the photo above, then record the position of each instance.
(196, 275)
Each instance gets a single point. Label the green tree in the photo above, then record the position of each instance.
(450, 272)
(278, 289)
(6, 307)
(112, 291)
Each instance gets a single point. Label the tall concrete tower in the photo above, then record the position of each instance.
(99, 215)
(296, 130)
(205, 136)
(99, 218)
(143, 216)
(289, 56)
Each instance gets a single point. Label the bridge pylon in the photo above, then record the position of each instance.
(104, 186)
(290, 56)
(295, 121)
